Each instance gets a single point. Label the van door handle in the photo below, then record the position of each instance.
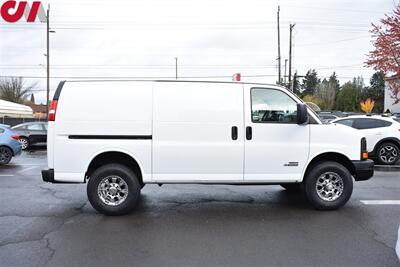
(249, 133)
(234, 133)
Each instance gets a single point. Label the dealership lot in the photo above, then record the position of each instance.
(192, 225)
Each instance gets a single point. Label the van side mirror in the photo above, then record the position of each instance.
(302, 113)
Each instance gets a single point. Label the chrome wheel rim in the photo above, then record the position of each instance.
(24, 143)
(5, 155)
(329, 186)
(112, 190)
(388, 154)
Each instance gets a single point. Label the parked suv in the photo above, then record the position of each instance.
(31, 133)
(382, 133)
(180, 132)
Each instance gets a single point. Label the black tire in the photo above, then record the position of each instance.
(292, 188)
(387, 154)
(25, 144)
(335, 171)
(6, 155)
(127, 176)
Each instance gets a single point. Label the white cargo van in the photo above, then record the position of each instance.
(120, 135)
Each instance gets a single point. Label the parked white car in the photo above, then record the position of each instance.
(382, 133)
(121, 135)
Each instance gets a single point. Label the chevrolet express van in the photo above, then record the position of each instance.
(118, 136)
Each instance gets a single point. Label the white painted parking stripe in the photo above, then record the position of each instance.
(388, 166)
(27, 169)
(6, 175)
(16, 164)
(380, 202)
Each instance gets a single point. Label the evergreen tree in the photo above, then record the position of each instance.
(310, 82)
(376, 91)
(32, 98)
(296, 84)
(349, 97)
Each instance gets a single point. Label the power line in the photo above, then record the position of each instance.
(334, 41)
(339, 9)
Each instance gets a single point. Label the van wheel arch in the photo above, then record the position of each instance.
(331, 156)
(115, 157)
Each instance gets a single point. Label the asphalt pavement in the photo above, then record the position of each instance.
(193, 225)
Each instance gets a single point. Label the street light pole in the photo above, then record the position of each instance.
(290, 55)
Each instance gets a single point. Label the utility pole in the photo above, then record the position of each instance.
(176, 68)
(48, 60)
(290, 55)
(285, 76)
(279, 48)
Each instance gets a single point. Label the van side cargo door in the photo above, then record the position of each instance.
(198, 132)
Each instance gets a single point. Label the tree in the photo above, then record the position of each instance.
(326, 92)
(368, 105)
(314, 100)
(296, 84)
(386, 55)
(310, 82)
(32, 98)
(376, 91)
(349, 96)
(334, 82)
(13, 89)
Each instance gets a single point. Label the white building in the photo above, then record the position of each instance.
(390, 99)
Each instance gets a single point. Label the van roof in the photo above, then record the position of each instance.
(61, 84)
(161, 80)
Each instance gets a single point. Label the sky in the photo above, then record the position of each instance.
(212, 39)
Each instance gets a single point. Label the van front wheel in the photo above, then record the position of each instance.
(328, 186)
(113, 189)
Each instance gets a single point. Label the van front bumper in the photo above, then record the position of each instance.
(363, 169)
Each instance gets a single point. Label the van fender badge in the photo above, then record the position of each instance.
(291, 164)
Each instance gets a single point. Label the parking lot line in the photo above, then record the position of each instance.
(380, 202)
(388, 166)
(6, 175)
(27, 169)
(15, 164)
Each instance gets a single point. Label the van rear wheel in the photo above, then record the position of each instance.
(328, 186)
(113, 189)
